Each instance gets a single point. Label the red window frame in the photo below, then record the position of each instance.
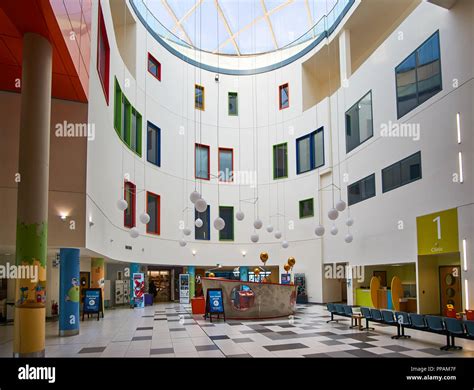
(102, 32)
(208, 161)
(158, 67)
(158, 213)
(129, 186)
(219, 164)
(287, 85)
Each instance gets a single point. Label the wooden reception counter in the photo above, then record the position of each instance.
(250, 300)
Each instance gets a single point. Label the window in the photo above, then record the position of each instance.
(153, 142)
(127, 121)
(153, 205)
(359, 123)
(233, 104)
(136, 132)
(103, 55)
(226, 164)
(202, 162)
(419, 76)
(280, 161)
(154, 67)
(198, 97)
(284, 96)
(361, 190)
(402, 172)
(310, 151)
(227, 214)
(130, 197)
(204, 232)
(306, 208)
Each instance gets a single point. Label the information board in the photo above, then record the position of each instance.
(92, 303)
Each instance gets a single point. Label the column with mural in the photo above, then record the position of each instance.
(98, 275)
(32, 205)
(69, 291)
(134, 268)
(192, 281)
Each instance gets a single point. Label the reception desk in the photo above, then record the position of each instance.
(250, 300)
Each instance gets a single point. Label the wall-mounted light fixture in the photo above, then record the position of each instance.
(466, 292)
(194, 252)
(244, 253)
(458, 126)
(461, 173)
(63, 216)
(464, 253)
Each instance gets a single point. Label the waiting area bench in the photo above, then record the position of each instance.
(446, 326)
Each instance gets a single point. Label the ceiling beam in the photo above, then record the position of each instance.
(176, 20)
(226, 24)
(269, 22)
(187, 15)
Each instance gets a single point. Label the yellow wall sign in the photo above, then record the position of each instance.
(438, 232)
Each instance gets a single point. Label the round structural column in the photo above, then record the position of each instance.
(32, 206)
(69, 291)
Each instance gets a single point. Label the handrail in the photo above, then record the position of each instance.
(321, 29)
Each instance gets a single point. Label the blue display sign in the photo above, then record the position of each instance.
(215, 301)
(92, 301)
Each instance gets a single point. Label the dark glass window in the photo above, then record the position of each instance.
(226, 164)
(310, 151)
(284, 95)
(204, 232)
(233, 104)
(202, 162)
(361, 190)
(199, 97)
(402, 172)
(359, 122)
(280, 161)
(130, 198)
(227, 214)
(153, 210)
(154, 67)
(306, 208)
(153, 144)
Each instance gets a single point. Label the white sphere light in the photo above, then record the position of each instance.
(277, 234)
(285, 244)
(270, 228)
(257, 224)
(334, 230)
(186, 231)
(144, 218)
(122, 204)
(340, 205)
(240, 215)
(134, 233)
(182, 242)
(198, 223)
(219, 223)
(201, 205)
(194, 196)
(254, 237)
(348, 238)
(333, 214)
(349, 221)
(319, 230)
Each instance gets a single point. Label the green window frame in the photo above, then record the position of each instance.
(280, 171)
(306, 208)
(233, 103)
(227, 214)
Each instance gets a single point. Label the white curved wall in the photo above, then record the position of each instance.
(169, 104)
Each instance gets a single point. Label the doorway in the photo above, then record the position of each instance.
(162, 281)
(450, 290)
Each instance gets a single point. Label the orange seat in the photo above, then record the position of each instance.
(470, 315)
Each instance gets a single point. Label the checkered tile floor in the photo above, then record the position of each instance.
(169, 330)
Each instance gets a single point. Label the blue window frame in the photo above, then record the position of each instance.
(418, 77)
(310, 151)
(204, 232)
(153, 154)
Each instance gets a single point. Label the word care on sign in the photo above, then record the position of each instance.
(93, 303)
(214, 303)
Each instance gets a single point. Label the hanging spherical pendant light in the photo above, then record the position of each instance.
(144, 218)
(219, 223)
(277, 234)
(122, 204)
(350, 221)
(333, 214)
(254, 237)
(186, 231)
(134, 233)
(240, 215)
(340, 205)
(270, 228)
(319, 230)
(285, 244)
(334, 230)
(257, 224)
(198, 223)
(194, 196)
(348, 238)
(201, 205)
(182, 242)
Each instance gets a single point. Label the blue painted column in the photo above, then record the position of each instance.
(134, 268)
(69, 291)
(244, 274)
(192, 281)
